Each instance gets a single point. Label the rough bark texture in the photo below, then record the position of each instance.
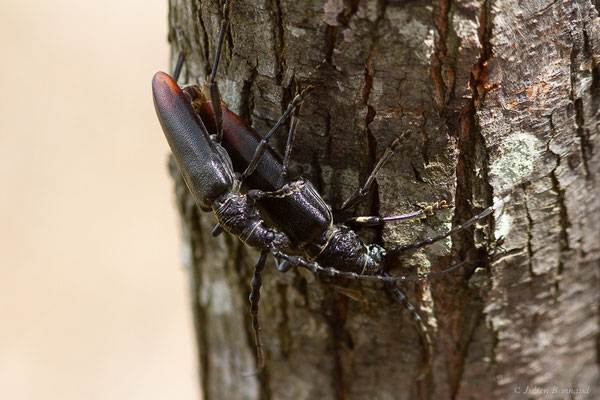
(502, 96)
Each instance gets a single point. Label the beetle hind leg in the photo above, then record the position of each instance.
(485, 213)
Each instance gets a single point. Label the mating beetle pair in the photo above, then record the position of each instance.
(217, 153)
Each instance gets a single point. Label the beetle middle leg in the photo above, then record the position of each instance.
(362, 192)
(260, 149)
(287, 172)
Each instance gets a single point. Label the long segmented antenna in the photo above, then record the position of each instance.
(215, 95)
(315, 267)
(256, 283)
(179, 65)
(423, 332)
(182, 55)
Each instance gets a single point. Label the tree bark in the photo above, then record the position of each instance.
(502, 97)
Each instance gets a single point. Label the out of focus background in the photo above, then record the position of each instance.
(94, 303)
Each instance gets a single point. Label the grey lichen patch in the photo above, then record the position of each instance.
(218, 296)
(347, 181)
(297, 32)
(515, 160)
(186, 251)
(504, 223)
(331, 10)
(229, 89)
(417, 34)
(368, 10)
(480, 279)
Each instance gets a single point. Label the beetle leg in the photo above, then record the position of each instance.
(217, 230)
(285, 191)
(260, 149)
(290, 143)
(283, 266)
(498, 205)
(364, 190)
(373, 221)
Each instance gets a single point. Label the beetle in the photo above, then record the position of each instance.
(291, 205)
(215, 185)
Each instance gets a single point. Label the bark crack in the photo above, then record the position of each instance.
(337, 325)
(200, 32)
(280, 50)
(544, 9)
(596, 4)
(529, 236)
(368, 86)
(439, 53)
(471, 172)
(283, 328)
(247, 97)
(317, 175)
(563, 236)
(332, 31)
(584, 142)
(594, 90)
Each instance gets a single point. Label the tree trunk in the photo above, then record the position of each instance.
(502, 97)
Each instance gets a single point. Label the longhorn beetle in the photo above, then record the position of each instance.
(300, 220)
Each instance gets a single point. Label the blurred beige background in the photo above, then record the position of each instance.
(93, 299)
